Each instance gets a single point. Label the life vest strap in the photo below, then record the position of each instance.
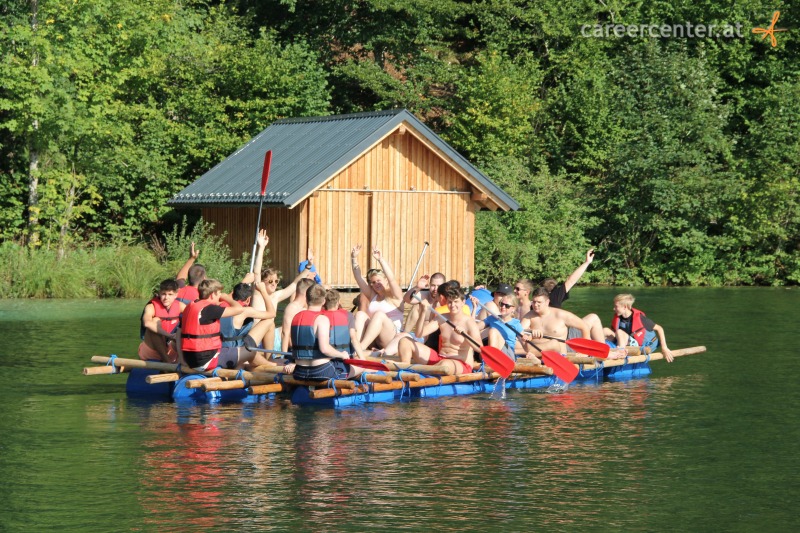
(206, 336)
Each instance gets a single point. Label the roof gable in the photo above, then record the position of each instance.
(307, 152)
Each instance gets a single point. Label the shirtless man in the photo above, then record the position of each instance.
(456, 351)
(522, 290)
(431, 283)
(560, 293)
(544, 320)
(295, 306)
(270, 277)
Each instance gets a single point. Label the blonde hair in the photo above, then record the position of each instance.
(528, 284)
(514, 300)
(625, 299)
(208, 287)
(265, 273)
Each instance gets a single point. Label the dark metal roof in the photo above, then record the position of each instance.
(307, 152)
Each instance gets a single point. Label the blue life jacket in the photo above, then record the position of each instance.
(232, 336)
(340, 330)
(304, 341)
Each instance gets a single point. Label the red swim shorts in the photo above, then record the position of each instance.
(434, 358)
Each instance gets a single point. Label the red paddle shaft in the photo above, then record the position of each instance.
(264, 180)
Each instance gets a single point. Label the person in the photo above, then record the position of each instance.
(295, 306)
(502, 334)
(383, 320)
(502, 290)
(456, 351)
(343, 325)
(522, 290)
(270, 277)
(560, 293)
(544, 320)
(200, 339)
(242, 330)
(427, 288)
(159, 320)
(192, 273)
(312, 351)
(630, 327)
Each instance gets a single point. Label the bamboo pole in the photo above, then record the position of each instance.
(642, 358)
(105, 370)
(162, 378)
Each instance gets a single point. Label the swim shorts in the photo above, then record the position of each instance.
(226, 358)
(329, 370)
(434, 358)
(148, 354)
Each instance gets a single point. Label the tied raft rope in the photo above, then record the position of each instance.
(405, 384)
(114, 368)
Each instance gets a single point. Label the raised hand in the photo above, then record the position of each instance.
(248, 278)
(355, 251)
(193, 253)
(310, 255)
(423, 282)
(261, 286)
(377, 254)
(262, 239)
(479, 287)
(475, 302)
(590, 255)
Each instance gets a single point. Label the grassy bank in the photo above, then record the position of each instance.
(126, 269)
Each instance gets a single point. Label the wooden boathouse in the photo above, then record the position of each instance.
(381, 178)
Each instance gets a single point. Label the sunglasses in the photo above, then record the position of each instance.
(520, 289)
(508, 306)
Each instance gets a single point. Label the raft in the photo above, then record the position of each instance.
(161, 381)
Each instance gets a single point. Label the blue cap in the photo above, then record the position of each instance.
(302, 267)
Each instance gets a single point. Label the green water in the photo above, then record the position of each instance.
(708, 443)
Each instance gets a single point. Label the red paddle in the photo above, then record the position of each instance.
(560, 365)
(264, 180)
(370, 365)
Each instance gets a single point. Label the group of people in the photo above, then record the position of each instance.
(193, 322)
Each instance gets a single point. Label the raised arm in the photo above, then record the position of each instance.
(261, 244)
(288, 291)
(235, 307)
(575, 276)
(270, 312)
(394, 287)
(362, 283)
(183, 273)
(421, 329)
(422, 284)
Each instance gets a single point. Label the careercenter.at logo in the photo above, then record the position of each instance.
(771, 30)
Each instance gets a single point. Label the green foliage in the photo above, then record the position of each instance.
(546, 239)
(677, 158)
(215, 255)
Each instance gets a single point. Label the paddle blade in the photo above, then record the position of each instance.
(370, 365)
(562, 368)
(589, 347)
(500, 362)
(265, 172)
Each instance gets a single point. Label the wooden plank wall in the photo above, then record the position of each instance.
(283, 229)
(399, 223)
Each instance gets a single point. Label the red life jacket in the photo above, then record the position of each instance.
(637, 328)
(170, 318)
(197, 338)
(340, 329)
(226, 304)
(188, 294)
(304, 341)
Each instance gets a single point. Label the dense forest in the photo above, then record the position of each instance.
(678, 158)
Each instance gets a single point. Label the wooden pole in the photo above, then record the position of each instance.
(432, 370)
(162, 378)
(197, 383)
(642, 358)
(266, 389)
(168, 367)
(231, 385)
(525, 368)
(397, 385)
(104, 370)
(405, 376)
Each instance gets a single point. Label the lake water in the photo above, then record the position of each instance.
(708, 443)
